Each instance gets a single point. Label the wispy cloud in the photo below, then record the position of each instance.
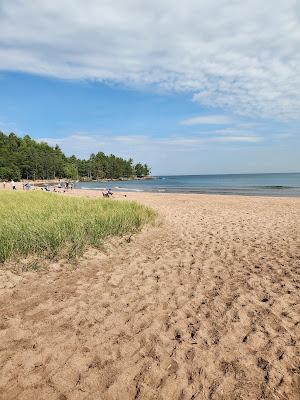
(207, 120)
(128, 145)
(241, 56)
(129, 138)
(194, 141)
(7, 126)
(247, 139)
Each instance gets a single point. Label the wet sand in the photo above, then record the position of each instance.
(203, 306)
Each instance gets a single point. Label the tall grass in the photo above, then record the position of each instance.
(50, 224)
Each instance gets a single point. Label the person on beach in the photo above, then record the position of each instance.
(13, 185)
(107, 193)
(4, 184)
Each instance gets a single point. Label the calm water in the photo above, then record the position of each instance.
(245, 184)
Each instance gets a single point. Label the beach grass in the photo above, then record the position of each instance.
(49, 224)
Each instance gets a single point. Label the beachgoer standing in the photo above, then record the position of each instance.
(13, 185)
(4, 184)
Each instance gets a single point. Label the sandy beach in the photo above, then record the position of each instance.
(204, 305)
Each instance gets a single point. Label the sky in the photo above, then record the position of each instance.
(194, 87)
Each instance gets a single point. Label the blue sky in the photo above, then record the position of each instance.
(148, 82)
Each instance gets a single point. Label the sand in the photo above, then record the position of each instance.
(203, 306)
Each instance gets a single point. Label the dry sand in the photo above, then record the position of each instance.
(204, 306)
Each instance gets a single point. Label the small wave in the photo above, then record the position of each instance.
(90, 188)
(274, 187)
(125, 189)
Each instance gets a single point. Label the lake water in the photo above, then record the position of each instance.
(287, 184)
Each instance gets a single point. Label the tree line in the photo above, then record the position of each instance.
(24, 158)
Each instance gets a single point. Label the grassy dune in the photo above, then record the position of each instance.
(50, 224)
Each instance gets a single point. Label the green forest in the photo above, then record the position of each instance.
(24, 158)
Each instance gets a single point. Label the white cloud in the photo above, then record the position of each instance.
(242, 56)
(7, 126)
(141, 147)
(80, 144)
(190, 155)
(247, 139)
(194, 141)
(207, 120)
(129, 138)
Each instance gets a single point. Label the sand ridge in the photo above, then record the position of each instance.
(203, 306)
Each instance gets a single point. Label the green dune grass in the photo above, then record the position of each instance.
(50, 224)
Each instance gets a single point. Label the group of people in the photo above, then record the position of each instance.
(27, 186)
(107, 193)
(12, 184)
(57, 188)
(47, 188)
(67, 186)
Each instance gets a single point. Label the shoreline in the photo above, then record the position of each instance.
(244, 185)
(196, 193)
(123, 191)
